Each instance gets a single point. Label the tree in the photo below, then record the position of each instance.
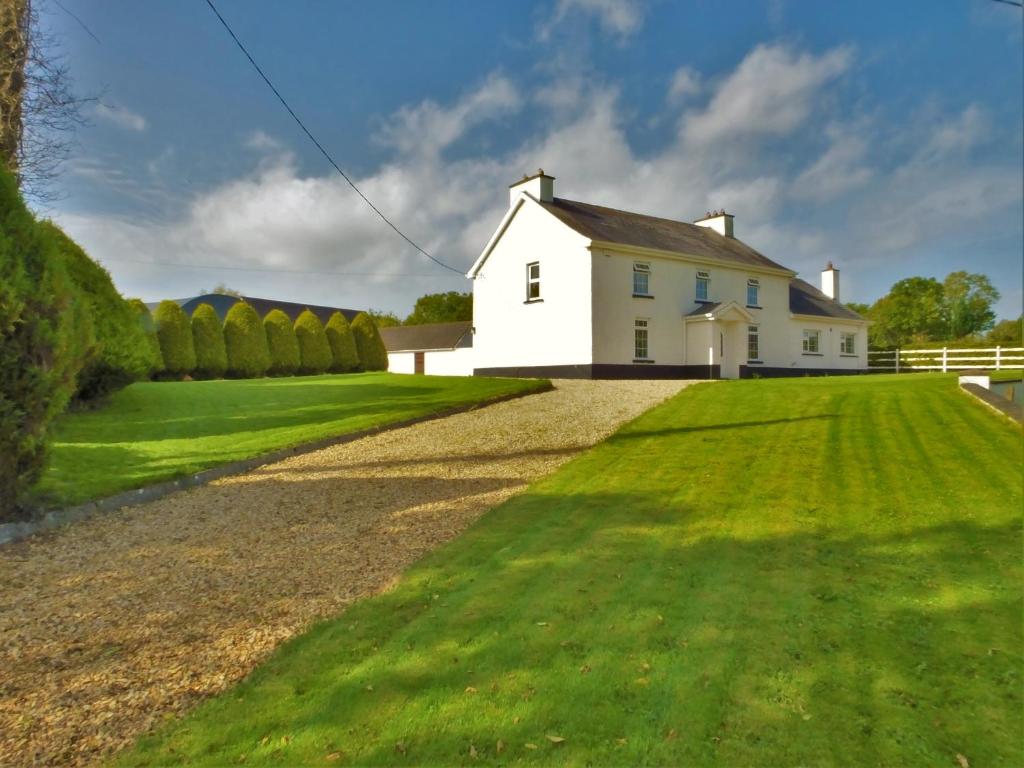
(1007, 332)
(282, 343)
(911, 311)
(343, 344)
(314, 350)
(39, 110)
(372, 354)
(858, 307)
(441, 308)
(246, 342)
(175, 335)
(221, 289)
(208, 340)
(968, 304)
(384, 319)
(144, 318)
(121, 354)
(42, 349)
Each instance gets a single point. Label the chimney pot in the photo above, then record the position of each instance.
(830, 281)
(718, 220)
(540, 186)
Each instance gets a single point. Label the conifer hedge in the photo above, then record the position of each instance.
(175, 335)
(246, 341)
(121, 355)
(44, 341)
(373, 356)
(144, 319)
(343, 344)
(282, 343)
(208, 340)
(314, 351)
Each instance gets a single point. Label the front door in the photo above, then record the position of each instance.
(728, 349)
(417, 358)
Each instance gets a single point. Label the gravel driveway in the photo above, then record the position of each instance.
(119, 621)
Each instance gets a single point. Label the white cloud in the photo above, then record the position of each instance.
(261, 141)
(122, 117)
(621, 18)
(772, 92)
(685, 82)
(276, 217)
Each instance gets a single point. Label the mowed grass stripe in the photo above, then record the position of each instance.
(818, 571)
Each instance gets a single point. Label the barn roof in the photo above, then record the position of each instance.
(420, 338)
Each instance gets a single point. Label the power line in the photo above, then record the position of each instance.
(178, 265)
(318, 145)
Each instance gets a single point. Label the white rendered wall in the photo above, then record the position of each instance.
(449, 362)
(831, 333)
(673, 283)
(401, 362)
(554, 331)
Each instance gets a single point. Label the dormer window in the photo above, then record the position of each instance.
(641, 279)
(533, 281)
(753, 292)
(703, 280)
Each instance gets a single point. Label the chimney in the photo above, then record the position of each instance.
(720, 221)
(540, 185)
(830, 281)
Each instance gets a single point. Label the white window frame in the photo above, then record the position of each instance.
(755, 284)
(754, 334)
(642, 330)
(532, 281)
(848, 349)
(644, 269)
(811, 334)
(706, 278)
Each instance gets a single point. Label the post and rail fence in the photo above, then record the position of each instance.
(946, 359)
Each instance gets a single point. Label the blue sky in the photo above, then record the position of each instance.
(884, 136)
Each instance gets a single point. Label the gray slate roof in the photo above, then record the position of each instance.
(805, 299)
(415, 338)
(221, 303)
(626, 228)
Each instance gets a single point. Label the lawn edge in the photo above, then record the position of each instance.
(51, 519)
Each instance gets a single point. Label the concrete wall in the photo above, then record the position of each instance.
(554, 331)
(401, 362)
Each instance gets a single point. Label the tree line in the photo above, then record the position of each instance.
(431, 308)
(919, 310)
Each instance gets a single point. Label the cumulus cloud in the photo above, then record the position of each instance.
(119, 116)
(771, 93)
(621, 18)
(314, 226)
(685, 82)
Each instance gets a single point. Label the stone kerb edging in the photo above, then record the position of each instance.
(55, 518)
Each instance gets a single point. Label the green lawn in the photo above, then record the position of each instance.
(160, 430)
(774, 572)
(1012, 374)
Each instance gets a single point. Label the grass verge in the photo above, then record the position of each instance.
(156, 431)
(774, 572)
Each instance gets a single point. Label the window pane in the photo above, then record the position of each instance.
(640, 282)
(534, 271)
(534, 292)
(752, 295)
(702, 288)
(640, 339)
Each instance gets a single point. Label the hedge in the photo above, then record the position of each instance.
(45, 338)
(314, 351)
(246, 341)
(208, 340)
(343, 344)
(175, 335)
(121, 355)
(372, 354)
(282, 343)
(144, 319)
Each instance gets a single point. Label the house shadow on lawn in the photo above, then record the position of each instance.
(632, 631)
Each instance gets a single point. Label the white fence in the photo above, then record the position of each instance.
(946, 359)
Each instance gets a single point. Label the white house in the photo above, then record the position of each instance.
(570, 289)
(439, 349)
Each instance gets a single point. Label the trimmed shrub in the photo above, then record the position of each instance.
(121, 355)
(208, 339)
(372, 354)
(175, 335)
(314, 351)
(144, 319)
(45, 335)
(343, 344)
(246, 341)
(282, 343)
